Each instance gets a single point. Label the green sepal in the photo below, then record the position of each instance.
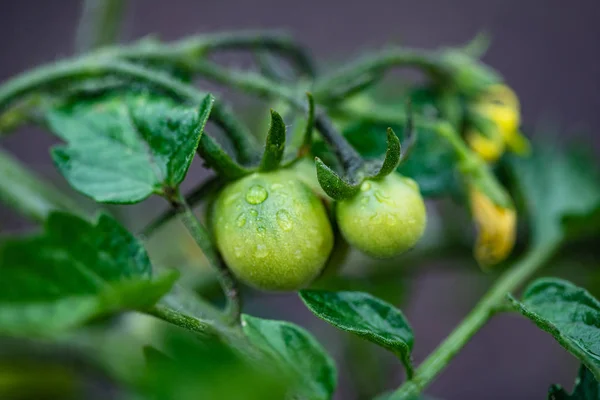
(310, 125)
(392, 156)
(216, 158)
(335, 187)
(275, 145)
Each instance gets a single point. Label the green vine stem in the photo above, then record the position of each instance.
(180, 53)
(489, 304)
(265, 87)
(68, 71)
(372, 67)
(198, 194)
(202, 238)
(99, 24)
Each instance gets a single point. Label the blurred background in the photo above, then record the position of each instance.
(546, 50)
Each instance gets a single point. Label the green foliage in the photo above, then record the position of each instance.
(186, 368)
(73, 272)
(123, 149)
(561, 191)
(586, 388)
(569, 313)
(365, 316)
(297, 353)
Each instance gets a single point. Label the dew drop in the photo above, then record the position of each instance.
(261, 251)
(365, 186)
(383, 197)
(256, 194)
(284, 220)
(261, 230)
(241, 220)
(238, 251)
(276, 186)
(253, 212)
(391, 220)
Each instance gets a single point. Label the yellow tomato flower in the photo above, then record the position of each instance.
(490, 149)
(500, 105)
(496, 229)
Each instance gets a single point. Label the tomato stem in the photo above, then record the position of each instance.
(488, 306)
(202, 238)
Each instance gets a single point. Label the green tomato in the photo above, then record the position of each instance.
(385, 218)
(272, 231)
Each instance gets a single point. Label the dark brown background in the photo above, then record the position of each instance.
(547, 50)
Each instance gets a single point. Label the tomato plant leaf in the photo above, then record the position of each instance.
(560, 190)
(569, 313)
(298, 353)
(73, 272)
(586, 388)
(366, 316)
(123, 149)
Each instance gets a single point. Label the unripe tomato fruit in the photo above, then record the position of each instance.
(385, 218)
(272, 230)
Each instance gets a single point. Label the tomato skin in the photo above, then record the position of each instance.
(386, 218)
(272, 231)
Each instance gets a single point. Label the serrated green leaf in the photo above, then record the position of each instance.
(123, 149)
(298, 353)
(366, 316)
(559, 189)
(569, 313)
(73, 272)
(586, 388)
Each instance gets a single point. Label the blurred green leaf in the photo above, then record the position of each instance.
(73, 272)
(569, 313)
(190, 369)
(123, 149)
(298, 354)
(365, 316)
(561, 191)
(586, 388)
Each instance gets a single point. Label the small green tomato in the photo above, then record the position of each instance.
(272, 231)
(385, 218)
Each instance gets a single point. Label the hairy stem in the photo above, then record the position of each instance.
(182, 320)
(68, 72)
(99, 24)
(265, 87)
(202, 238)
(371, 67)
(201, 192)
(511, 280)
